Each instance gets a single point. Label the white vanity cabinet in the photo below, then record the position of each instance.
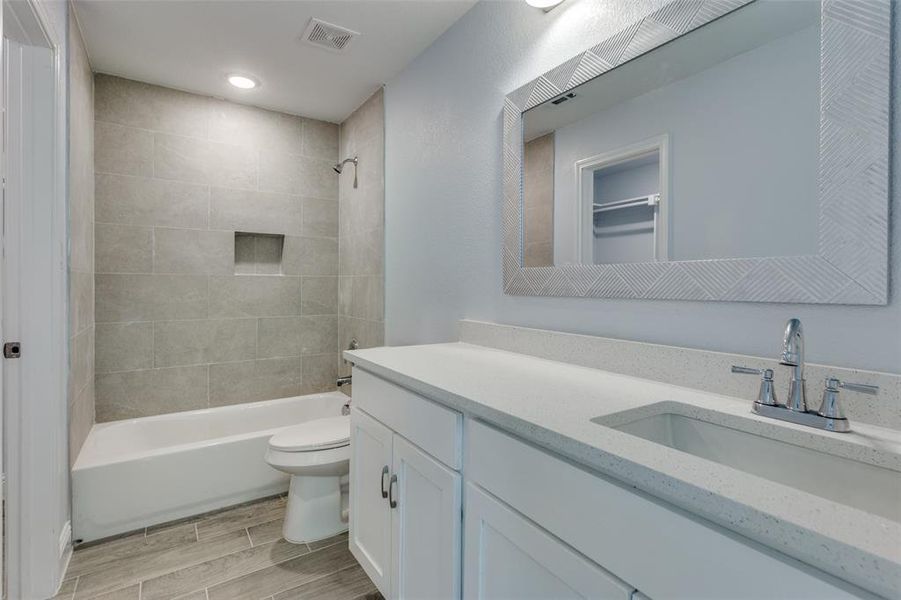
(507, 556)
(405, 503)
(535, 524)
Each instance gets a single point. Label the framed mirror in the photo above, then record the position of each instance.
(720, 150)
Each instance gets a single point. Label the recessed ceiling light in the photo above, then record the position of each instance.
(545, 5)
(242, 82)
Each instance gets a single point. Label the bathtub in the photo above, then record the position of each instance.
(139, 472)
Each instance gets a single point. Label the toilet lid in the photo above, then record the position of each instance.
(318, 434)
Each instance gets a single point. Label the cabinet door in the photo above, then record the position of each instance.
(370, 516)
(426, 525)
(506, 556)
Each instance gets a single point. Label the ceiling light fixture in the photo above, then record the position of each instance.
(242, 82)
(544, 5)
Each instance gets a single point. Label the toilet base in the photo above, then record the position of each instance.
(315, 508)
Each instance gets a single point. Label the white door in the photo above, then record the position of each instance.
(507, 557)
(370, 516)
(425, 524)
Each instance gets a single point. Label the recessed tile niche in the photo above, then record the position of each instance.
(258, 253)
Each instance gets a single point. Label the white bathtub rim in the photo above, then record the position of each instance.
(81, 462)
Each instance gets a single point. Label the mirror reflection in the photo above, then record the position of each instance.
(703, 148)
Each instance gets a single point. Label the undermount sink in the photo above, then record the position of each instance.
(861, 485)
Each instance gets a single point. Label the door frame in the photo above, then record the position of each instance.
(34, 296)
(585, 168)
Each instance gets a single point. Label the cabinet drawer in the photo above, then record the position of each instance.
(432, 427)
(659, 549)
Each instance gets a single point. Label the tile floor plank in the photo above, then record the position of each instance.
(97, 557)
(241, 517)
(335, 539)
(219, 570)
(130, 593)
(198, 595)
(343, 585)
(124, 572)
(265, 532)
(67, 588)
(284, 576)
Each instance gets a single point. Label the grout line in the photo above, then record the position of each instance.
(249, 539)
(140, 590)
(206, 592)
(196, 532)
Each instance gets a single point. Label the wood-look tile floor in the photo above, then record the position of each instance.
(233, 554)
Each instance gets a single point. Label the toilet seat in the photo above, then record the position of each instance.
(311, 436)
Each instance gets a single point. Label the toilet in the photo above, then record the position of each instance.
(316, 454)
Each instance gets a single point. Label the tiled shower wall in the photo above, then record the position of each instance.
(179, 325)
(361, 233)
(81, 242)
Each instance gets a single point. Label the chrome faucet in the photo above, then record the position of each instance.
(793, 356)
(830, 415)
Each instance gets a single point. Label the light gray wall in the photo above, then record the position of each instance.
(361, 229)
(443, 204)
(177, 175)
(81, 241)
(743, 152)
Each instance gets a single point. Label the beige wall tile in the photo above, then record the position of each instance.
(150, 392)
(320, 139)
(146, 106)
(255, 212)
(81, 419)
(122, 150)
(319, 373)
(310, 256)
(280, 336)
(368, 334)
(81, 307)
(150, 297)
(194, 160)
(319, 334)
(82, 360)
(142, 201)
(254, 296)
(293, 336)
(124, 248)
(206, 341)
(298, 175)
(367, 298)
(245, 253)
(320, 218)
(124, 346)
(319, 296)
(267, 250)
(255, 128)
(234, 383)
(193, 251)
(362, 253)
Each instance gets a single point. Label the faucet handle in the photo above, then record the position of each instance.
(767, 393)
(831, 407)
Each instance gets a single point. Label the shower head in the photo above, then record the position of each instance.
(338, 168)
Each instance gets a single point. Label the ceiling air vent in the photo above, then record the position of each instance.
(328, 36)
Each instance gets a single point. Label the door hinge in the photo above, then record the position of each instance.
(12, 350)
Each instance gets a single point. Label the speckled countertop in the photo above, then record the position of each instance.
(551, 404)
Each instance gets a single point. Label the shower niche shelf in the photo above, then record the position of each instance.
(258, 253)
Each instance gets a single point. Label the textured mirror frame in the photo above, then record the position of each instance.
(853, 228)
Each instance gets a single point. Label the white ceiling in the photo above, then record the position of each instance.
(192, 45)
